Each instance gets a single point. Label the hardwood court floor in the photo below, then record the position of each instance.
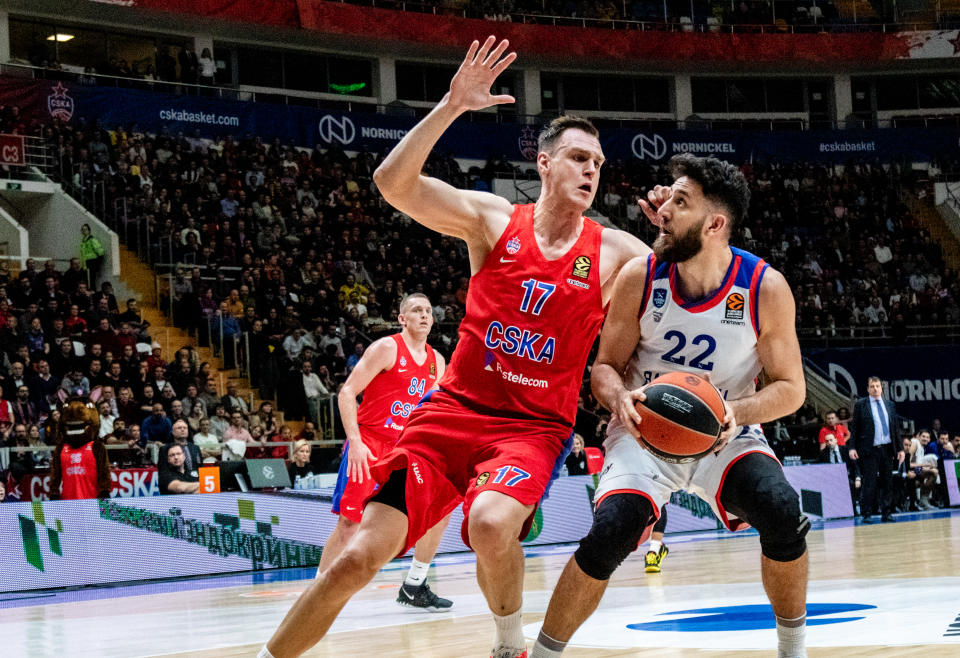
(881, 590)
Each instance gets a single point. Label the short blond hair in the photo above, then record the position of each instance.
(407, 300)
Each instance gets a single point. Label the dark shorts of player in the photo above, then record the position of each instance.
(349, 496)
(453, 452)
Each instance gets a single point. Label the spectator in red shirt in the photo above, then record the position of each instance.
(833, 426)
(282, 452)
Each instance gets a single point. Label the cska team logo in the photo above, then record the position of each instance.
(403, 362)
(513, 245)
(528, 143)
(59, 103)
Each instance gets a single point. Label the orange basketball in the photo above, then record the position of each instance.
(681, 418)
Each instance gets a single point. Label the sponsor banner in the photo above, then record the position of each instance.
(41, 100)
(127, 483)
(83, 542)
(952, 469)
(824, 493)
(924, 382)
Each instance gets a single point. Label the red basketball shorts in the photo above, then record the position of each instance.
(454, 453)
(349, 496)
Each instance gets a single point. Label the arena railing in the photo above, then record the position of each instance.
(877, 335)
(696, 20)
(5, 452)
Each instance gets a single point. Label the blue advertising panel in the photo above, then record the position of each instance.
(924, 382)
(210, 116)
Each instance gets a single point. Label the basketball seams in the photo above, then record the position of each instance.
(673, 422)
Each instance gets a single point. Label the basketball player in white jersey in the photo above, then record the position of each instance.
(709, 309)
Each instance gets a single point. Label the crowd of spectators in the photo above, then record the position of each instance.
(859, 262)
(289, 262)
(920, 482)
(170, 64)
(59, 339)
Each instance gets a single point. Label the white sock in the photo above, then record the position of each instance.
(547, 647)
(791, 637)
(655, 545)
(417, 574)
(509, 631)
(264, 652)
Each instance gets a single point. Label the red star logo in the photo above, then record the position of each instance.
(60, 91)
(956, 43)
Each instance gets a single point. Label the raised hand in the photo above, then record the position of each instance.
(470, 87)
(658, 196)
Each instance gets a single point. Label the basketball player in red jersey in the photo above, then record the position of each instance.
(500, 425)
(668, 315)
(393, 374)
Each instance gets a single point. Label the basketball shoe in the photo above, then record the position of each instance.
(507, 652)
(652, 561)
(422, 597)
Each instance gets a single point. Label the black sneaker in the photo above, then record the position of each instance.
(422, 597)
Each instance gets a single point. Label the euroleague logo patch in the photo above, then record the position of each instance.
(581, 267)
(482, 479)
(734, 311)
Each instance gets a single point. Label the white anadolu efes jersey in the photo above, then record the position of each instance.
(715, 336)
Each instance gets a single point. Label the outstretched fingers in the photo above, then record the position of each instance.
(502, 65)
(484, 50)
(496, 53)
(471, 53)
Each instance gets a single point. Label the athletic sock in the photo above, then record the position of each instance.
(509, 631)
(417, 574)
(791, 637)
(264, 652)
(655, 545)
(547, 647)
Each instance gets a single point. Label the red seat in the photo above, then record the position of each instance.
(594, 460)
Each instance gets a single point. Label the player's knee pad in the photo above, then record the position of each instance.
(618, 525)
(757, 490)
(777, 517)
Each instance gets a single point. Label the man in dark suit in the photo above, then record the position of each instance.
(834, 454)
(874, 442)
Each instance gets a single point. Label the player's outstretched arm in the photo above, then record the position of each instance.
(784, 389)
(618, 340)
(378, 358)
(432, 202)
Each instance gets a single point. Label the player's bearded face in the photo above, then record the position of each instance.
(679, 247)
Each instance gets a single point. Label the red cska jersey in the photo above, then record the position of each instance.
(390, 396)
(78, 467)
(529, 325)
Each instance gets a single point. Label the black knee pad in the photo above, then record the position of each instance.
(618, 525)
(393, 493)
(757, 491)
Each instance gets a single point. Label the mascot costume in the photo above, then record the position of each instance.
(80, 463)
